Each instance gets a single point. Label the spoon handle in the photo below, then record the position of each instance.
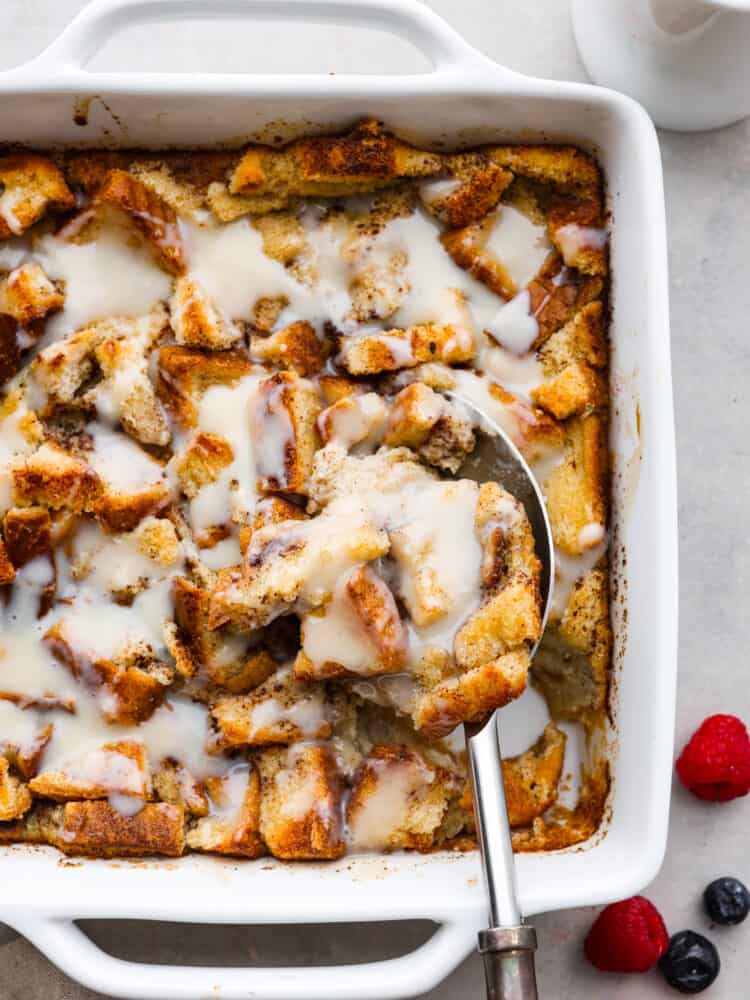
(508, 946)
(508, 954)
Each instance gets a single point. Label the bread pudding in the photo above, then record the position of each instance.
(246, 596)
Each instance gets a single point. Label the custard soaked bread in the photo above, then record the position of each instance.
(246, 596)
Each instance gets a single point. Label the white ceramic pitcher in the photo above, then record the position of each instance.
(686, 61)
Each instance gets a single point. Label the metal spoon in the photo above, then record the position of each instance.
(508, 944)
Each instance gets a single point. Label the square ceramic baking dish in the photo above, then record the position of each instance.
(464, 99)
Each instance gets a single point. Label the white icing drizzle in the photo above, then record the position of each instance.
(108, 277)
(228, 411)
(229, 263)
(513, 326)
(434, 278)
(476, 388)
(386, 808)
(573, 238)
(120, 463)
(519, 375)
(337, 634)
(518, 243)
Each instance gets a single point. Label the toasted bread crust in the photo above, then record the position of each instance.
(31, 184)
(149, 213)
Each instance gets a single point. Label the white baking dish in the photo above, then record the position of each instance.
(466, 98)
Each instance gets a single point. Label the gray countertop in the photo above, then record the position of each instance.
(708, 207)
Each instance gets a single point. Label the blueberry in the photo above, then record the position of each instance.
(727, 901)
(690, 963)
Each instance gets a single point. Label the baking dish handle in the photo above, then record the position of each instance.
(65, 945)
(409, 19)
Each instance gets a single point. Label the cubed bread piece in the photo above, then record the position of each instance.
(15, 797)
(30, 185)
(121, 512)
(336, 387)
(228, 207)
(215, 658)
(284, 237)
(295, 347)
(96, 829)
(380, 281)
(266, 312)
(301, 797)
(150, 215)
(175, 784)
(426, 422)
(125, 564)
(119, 768)
(196, 319)
(337, 474)
(21, 428)
(474, 250)
(28, 534)
(26, 757)
(532, 778)
(392, 350)
(472, 695)
(7, 570)
(133, 484)
(358, 632)
(232, 825)
(285, 432)
(63, 368)
(572, 663)
(576, 228)
(471, 191)
(562, 166)
(126, 392)
(571, 359)
(353, 419)
(281, 710)
(10, 348)
(275, 510)
(582, 339)
(510, 612)
(507, 618)
(182, 194)
(576, 489)
(435, 572)
(292, 558)
(135, 679)
(157, 539)
(184, 373)
(413, 415)
(53, 477)
(360, 160)
(575, 390)
(555, 297)
(202, 461)
(398, 800)
(27, 293)
(535, 433)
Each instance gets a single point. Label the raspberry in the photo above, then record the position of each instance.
(715, 764)
(627, 937)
